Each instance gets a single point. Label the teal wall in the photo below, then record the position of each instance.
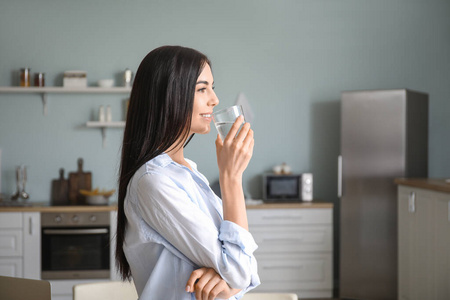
(291, 59)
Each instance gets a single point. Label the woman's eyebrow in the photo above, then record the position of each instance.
(203, 82)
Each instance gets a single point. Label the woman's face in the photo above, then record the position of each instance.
(204, 100)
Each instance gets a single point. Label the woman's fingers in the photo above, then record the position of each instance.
(234, 129)
(205, 284)
(220, 287)
(243, 133)
(208, 287)
(196, 274)
(248, 140)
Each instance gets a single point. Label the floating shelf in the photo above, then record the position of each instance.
(103, 126)
(43, 91)
(97, 124)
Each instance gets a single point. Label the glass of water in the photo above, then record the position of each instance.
(224, 119)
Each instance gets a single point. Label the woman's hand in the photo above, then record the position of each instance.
(235, 152)
(208, 285)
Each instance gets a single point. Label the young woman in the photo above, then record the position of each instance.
(175, 237)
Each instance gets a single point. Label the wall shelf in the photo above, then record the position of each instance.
(103, 126)
(44, 91)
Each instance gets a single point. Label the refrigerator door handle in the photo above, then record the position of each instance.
(412, 202)
(340, 176)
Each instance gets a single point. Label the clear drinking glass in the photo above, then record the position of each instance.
(224, 119)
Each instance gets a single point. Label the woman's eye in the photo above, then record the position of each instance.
(202, 90)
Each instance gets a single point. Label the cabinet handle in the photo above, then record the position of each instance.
(282, 217)
(412, 202)
(448, 211)
(30, 224)
(283, 267)
(340, 176)
(277, 240)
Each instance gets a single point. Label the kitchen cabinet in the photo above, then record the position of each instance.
(295, 250)
(20, 254)
(424, 243)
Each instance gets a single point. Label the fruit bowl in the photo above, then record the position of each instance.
(97, 197)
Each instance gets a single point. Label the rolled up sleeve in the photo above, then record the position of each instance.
(239, 244)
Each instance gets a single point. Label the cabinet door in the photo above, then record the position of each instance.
(442, 246)
(295, 250)
(11, 266)
(11, 242)
(404, 244)
(422, 247)
(416, 244)
(32, 245)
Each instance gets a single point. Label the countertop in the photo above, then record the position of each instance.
(439, 185)
(43, 207)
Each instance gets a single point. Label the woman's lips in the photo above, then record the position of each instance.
(207, 117)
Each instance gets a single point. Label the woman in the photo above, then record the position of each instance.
(175, 237)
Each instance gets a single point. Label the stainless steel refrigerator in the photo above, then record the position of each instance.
(384, 135)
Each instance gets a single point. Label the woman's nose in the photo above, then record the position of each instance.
(214, 100)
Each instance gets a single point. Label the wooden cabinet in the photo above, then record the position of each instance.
(295, 252)
(20, 253)
(424, 243)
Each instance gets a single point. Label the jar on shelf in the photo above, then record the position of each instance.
(25, 77)
(39, 79)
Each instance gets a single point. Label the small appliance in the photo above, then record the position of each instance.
(287, 187)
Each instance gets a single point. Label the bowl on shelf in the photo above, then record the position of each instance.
(106, 83)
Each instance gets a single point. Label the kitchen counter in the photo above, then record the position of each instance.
(43, 207)
(306, 204)
(438, 185)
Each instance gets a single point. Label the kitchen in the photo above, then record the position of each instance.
(292, 57)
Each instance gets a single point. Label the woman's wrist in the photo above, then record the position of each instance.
(228, 178)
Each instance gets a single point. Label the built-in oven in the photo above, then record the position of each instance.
(75, 245)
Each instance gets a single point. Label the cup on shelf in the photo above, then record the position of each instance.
(106, 83)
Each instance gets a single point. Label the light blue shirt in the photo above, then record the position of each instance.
(174, 226)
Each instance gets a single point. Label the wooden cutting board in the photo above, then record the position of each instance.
(60, 190)
(79, 180)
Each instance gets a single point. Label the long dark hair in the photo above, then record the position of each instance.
(159, 115)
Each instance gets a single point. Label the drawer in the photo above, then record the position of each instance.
(313, 271)
(289, 216)
(293, 239)
(10, 220)
(11, 242)
(11, 267)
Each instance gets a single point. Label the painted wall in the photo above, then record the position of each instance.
(291, 59)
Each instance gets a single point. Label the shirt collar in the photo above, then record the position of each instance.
(162, 160)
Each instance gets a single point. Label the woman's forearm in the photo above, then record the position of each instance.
(233, 200)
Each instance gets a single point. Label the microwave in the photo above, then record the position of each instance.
(287, 187)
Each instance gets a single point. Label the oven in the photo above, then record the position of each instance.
(75, 245)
